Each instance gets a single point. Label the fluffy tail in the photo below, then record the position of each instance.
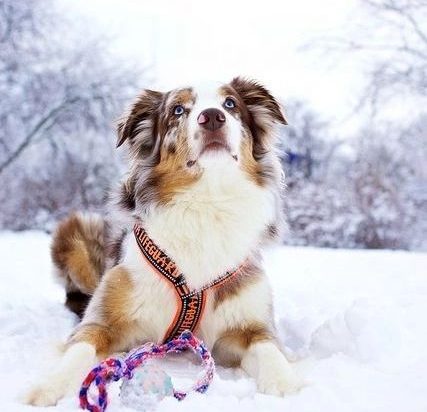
(78, 253)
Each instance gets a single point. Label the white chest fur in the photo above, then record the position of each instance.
(213, 227)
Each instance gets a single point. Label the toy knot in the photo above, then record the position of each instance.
(116, 368)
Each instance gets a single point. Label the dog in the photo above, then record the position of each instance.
(204, 192)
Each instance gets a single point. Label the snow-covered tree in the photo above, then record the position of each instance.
(61, 91)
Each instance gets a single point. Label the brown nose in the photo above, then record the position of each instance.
(211, 119)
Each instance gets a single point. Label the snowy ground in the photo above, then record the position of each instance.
(353, 321)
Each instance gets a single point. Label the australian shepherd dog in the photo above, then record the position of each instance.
(204, 183)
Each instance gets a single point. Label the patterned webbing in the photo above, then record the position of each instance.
(190, 303)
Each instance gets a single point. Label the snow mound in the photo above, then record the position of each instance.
(353, 322)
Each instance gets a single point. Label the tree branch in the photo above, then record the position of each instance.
(28, 140)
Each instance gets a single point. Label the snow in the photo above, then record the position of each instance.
(352, 321)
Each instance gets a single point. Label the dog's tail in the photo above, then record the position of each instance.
(78, 254)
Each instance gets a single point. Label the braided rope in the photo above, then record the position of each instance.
(113, 369)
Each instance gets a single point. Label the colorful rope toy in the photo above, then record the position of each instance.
(114, 369)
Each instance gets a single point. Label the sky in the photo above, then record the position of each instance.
(187, 42)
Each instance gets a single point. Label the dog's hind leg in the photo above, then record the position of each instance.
(255, 349)
(272, 372)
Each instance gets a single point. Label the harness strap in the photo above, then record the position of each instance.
(190, 304)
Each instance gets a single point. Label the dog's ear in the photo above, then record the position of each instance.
(263, 107)
(140, 121)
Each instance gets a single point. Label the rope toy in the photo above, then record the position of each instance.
(114, 369)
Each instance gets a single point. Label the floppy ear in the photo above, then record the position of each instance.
(141, 120)
(263, 107)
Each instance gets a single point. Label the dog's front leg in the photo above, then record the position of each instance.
(264, 361)
(103, 330)
(66, 377)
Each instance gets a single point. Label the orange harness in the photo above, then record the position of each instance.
(190, 303)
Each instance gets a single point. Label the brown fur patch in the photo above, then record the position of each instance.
(232, 343)
(171, 174)
(100, 336)
(118, 288)
(115, 323)
(257, 109)
(248, 335)
(78, 252)
(249, 164)
(181, 96)
(145, 107)
(262, 110)
(81, 271)
(257, 96)
(247, 275)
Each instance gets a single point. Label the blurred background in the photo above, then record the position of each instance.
(351, 75)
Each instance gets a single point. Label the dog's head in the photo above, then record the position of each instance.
(176, 137)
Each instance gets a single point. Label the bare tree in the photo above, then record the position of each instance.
(374, 195)
(390, 38)
(52, 75)
(61, 90)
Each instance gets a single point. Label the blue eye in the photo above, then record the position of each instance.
(178, 110)
(229, 103)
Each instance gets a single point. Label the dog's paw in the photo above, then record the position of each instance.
(44, 395)
(65, 378)
(278, 382)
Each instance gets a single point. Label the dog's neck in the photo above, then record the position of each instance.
(213, 226)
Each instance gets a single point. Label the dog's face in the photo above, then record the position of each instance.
(179, 135)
